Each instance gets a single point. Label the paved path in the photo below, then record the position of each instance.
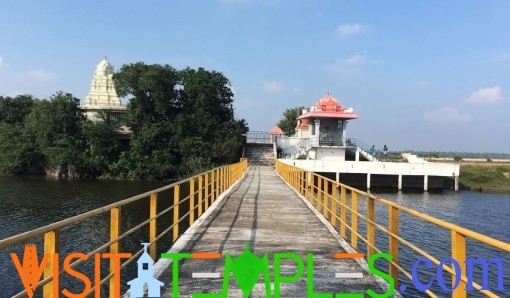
(263, 212)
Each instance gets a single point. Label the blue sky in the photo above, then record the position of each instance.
(428, 75)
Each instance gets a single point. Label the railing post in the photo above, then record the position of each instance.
(225, 178)
(319, 189)
(177, 195)
(220, 171)
(217, 184)
(114, 248)
(51, 247)
(294, 179)
(343, 213)
(393, 242)
(213, 190)
(228, 175)
(307, 185)
(459, 255)
(222, 179)
(312, 187)
(333, 214)
(200, 193)
(291, 173)
(325, 201)
(206, 198)
(302, 182)
(153, 225)
(370, 226)
(191, 201)
(354, 219)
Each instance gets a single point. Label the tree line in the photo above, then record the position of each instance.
(182, 122)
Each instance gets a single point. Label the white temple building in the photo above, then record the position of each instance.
(320, 145)
(102, 95)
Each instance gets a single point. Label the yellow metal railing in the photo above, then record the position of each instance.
(331, 197)
(204, 189)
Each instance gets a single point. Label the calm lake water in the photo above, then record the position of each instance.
(30, 202)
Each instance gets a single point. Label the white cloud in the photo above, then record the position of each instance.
(348, 67)
(447, 115)
(273, 86)
(348, 30)
(38, 75)
(42, 75)
(486, 95)
(355, 59)
(2, 63)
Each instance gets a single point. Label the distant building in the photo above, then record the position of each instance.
(275, 132)
(102, 95)
(145, 277)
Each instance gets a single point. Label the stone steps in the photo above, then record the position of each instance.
(259, 154)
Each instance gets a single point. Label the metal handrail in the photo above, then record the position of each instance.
(306, 144)
(209, 187)
(324, 194)
(260, 137)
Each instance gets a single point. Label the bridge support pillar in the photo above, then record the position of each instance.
(337, 177)
(456, 183)
(425, 183)
(357, 155)
(368, 181)
(400, 182)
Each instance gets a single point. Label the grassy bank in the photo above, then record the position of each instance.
(485, 176)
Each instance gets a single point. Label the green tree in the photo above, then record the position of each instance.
(182, 121)
(56, 126)
(207, 123)
(151, 91)
(154, 102)
(18, 151)
(289, 121)
(102, 149)
(14, 110)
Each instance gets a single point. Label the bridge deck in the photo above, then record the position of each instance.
(265, 213)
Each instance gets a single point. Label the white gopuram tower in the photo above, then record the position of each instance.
(102, 94)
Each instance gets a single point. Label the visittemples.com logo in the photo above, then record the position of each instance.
(246, 269)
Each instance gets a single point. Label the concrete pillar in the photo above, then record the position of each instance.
(456, 183)
(337, 178)
(425, 183)
(317, 128)
(344, 133)
(400, 182)
(368, 181)
(357, 155)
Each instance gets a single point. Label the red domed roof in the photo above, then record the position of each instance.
(276, 131)
(328, 103)
(329, 107)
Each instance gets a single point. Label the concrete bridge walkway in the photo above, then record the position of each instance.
(266, 214)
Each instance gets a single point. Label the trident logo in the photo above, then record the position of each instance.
(246, 270)
(31, 270)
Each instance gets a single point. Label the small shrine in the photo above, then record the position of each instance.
(325, 122)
